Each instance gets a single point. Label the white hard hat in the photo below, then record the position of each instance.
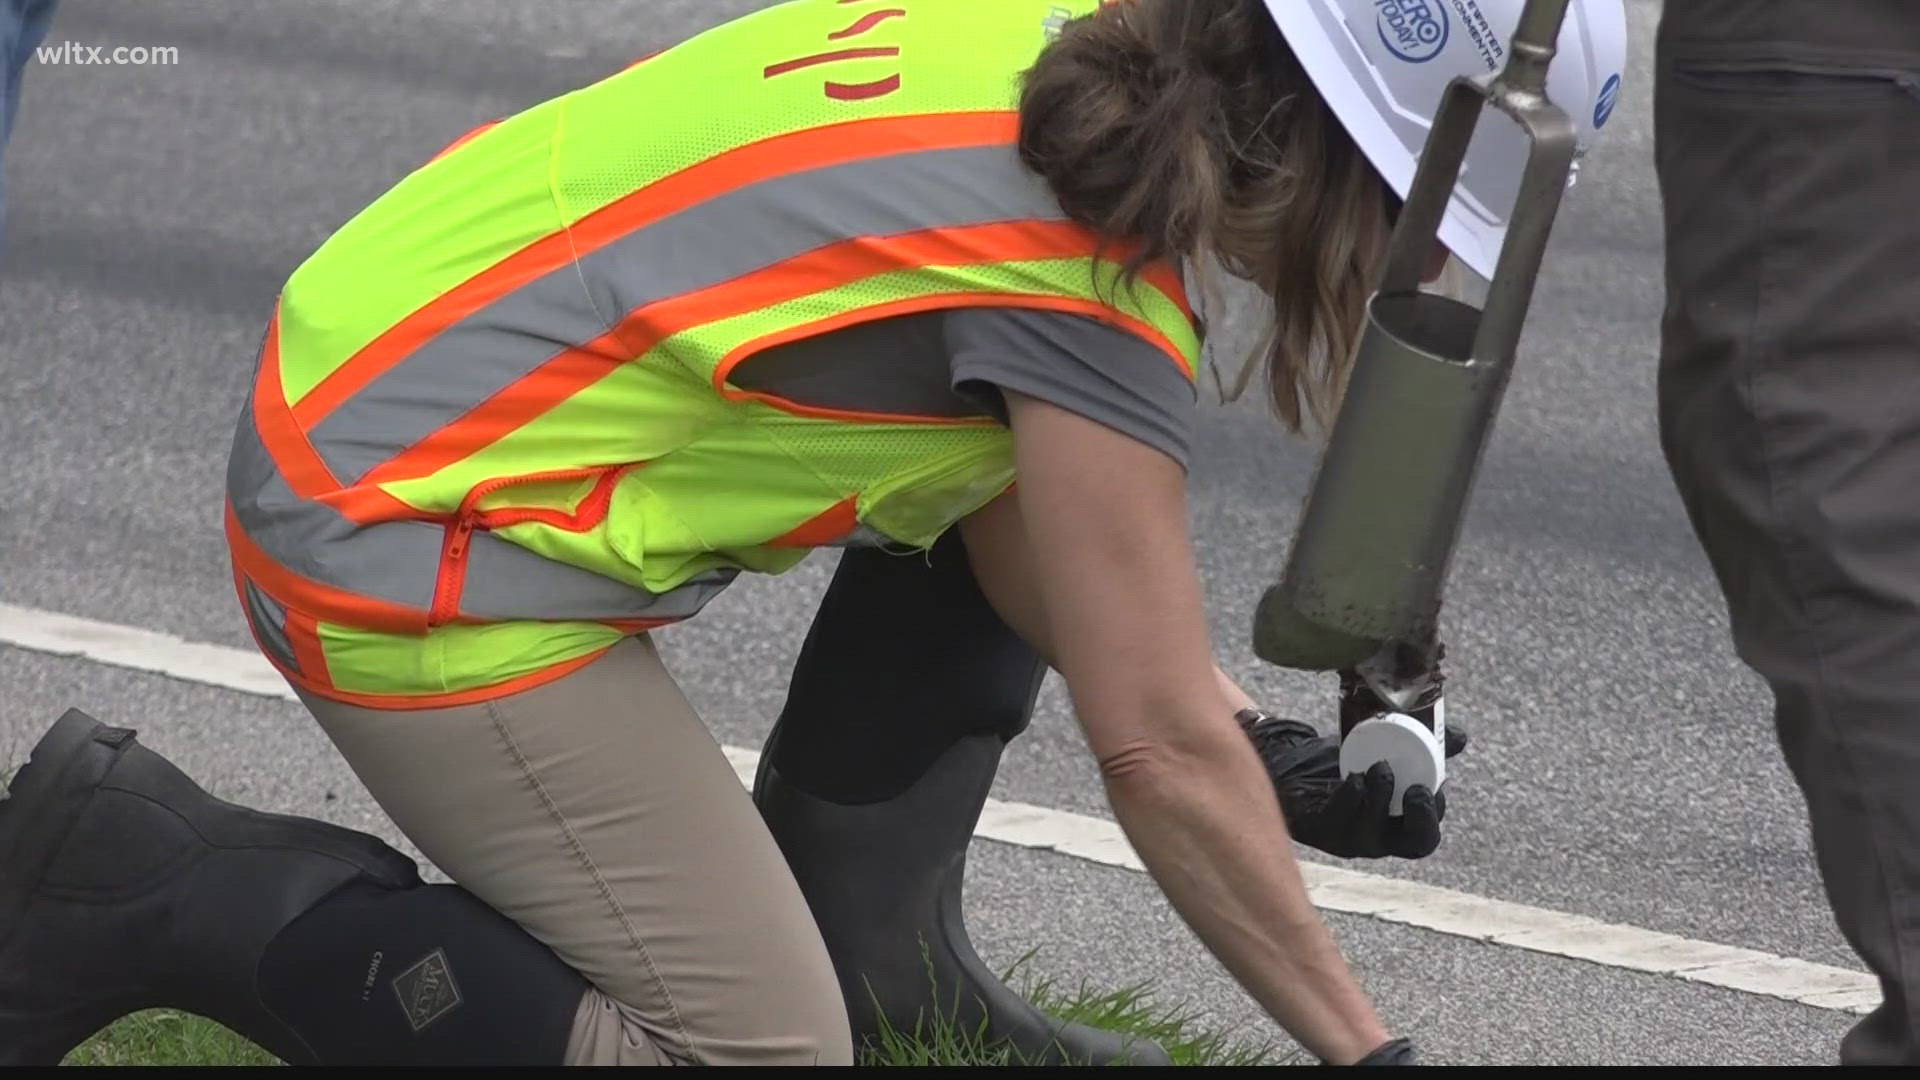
(1382, 65)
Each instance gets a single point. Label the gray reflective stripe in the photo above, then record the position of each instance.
(399, 561)
(506, 581)
(395, 561)
(463, 366)
(269, 621)
(715, 241)
(778, 219)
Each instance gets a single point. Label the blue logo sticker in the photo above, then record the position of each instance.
(1413, 30)
(1609, 97)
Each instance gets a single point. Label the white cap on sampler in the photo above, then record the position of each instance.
(1417, 753)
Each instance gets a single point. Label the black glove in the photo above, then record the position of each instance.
(1341, 815)
(1396, 1052)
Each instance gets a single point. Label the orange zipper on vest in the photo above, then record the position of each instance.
(451, 580)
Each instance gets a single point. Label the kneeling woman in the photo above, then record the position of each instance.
(829, 275)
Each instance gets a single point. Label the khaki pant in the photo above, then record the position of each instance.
(598, 813)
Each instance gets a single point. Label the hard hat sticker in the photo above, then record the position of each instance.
(1493, 51)
(1413, 30)
(1609, 97)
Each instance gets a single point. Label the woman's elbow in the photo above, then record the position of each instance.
(1163, 764)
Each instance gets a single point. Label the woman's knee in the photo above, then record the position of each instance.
(812, 1032)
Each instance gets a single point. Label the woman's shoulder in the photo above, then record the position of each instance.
(1083, 364)
(1092, 340)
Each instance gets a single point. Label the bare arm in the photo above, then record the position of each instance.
(1092, 563)
(1002, 562)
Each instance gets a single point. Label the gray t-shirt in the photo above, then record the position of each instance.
(957, 362)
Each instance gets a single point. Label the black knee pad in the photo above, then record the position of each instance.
(420, 976)
(904, 658)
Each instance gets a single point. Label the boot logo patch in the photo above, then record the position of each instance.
(427, 991)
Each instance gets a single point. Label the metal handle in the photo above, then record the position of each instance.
(1519, 91)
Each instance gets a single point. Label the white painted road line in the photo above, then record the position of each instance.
(1334, 888)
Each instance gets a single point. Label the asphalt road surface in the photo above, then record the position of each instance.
(1623, 767)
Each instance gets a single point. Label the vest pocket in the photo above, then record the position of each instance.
(589, 513)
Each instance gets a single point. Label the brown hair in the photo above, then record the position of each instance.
(1189, 127)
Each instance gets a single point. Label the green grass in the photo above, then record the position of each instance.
(166, 1037)
(1131, 1010)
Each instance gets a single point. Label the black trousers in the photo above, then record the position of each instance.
(1788, 143)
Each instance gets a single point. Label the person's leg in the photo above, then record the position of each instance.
(599, 813)
(904, 695)
(125, 886)
(23, 26)
(1788, 142)
(595, 812)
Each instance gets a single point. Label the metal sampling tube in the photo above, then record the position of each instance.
(1369, 561)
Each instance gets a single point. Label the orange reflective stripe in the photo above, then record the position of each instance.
(303, 634)
(297, 461)
(1162, 276)
(529, 264)
(809, 149)
(822, 412)
(644, 328)
(835, 523)
(302, 468)
(370, 506)
(410, 702)
(548, 385)
(322, 601)
(1121, 319)
(464, 140)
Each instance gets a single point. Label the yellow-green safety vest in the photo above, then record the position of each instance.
(492, 429)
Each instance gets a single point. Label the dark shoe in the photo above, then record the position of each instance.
(883, 880)
(125, 886)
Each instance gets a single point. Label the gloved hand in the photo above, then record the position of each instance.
(1346, 815)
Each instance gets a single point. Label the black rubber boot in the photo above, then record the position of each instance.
(125, 886)
(884, 881)
(906, 692)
